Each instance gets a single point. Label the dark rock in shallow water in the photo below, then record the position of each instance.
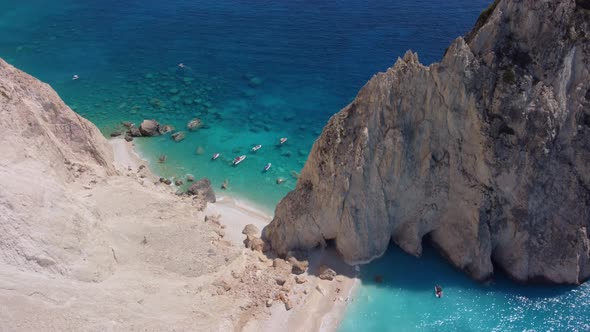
(134, 132)
(128, 138)
(149, 128)
(116, 134)
(166, 129)
(203, 189)
(194, 124)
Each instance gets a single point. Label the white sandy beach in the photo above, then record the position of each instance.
(313, 311)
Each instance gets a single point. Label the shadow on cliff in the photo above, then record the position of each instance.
(399, 270)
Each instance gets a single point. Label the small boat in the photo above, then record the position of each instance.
(75, 77)
(257, 147)
(215, 156)
(239, 159)
(283, 140)
(267, 167)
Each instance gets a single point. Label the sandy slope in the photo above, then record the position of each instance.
(91, 242)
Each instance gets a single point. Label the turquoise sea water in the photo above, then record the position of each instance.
(257, 71)
(404, 300)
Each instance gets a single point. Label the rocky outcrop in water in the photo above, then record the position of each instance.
(485, 154)
(149, 128)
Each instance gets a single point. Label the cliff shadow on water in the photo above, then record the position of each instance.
(398, 270)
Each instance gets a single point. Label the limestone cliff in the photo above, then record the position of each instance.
(486, 154)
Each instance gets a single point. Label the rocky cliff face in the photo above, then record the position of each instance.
(486, 154)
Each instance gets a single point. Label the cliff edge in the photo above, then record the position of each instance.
(485, 154)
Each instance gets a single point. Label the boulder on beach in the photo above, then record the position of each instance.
(178, 136)
(327, 273)
(128, 138)
(203, 189)
(255, 243)
(298, 261)
(149, 128)
(251, 229)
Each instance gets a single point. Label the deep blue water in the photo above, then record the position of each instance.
(257, 71)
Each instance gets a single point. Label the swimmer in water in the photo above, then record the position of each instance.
(75, 77)
(183, 66)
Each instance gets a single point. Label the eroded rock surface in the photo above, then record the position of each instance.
(486, 154)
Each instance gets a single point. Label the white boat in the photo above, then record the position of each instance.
(267, 167)
(257, 147)
(239, 159)
(283, 140)
(75, 77)
(215, 156)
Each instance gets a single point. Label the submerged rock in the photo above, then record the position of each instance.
(194, 124)
(485, 154)
(251, 229)
(178, 136)
(254, 82)
(166, 129)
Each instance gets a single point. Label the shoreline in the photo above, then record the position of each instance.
(315, 310)
(222, 195)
